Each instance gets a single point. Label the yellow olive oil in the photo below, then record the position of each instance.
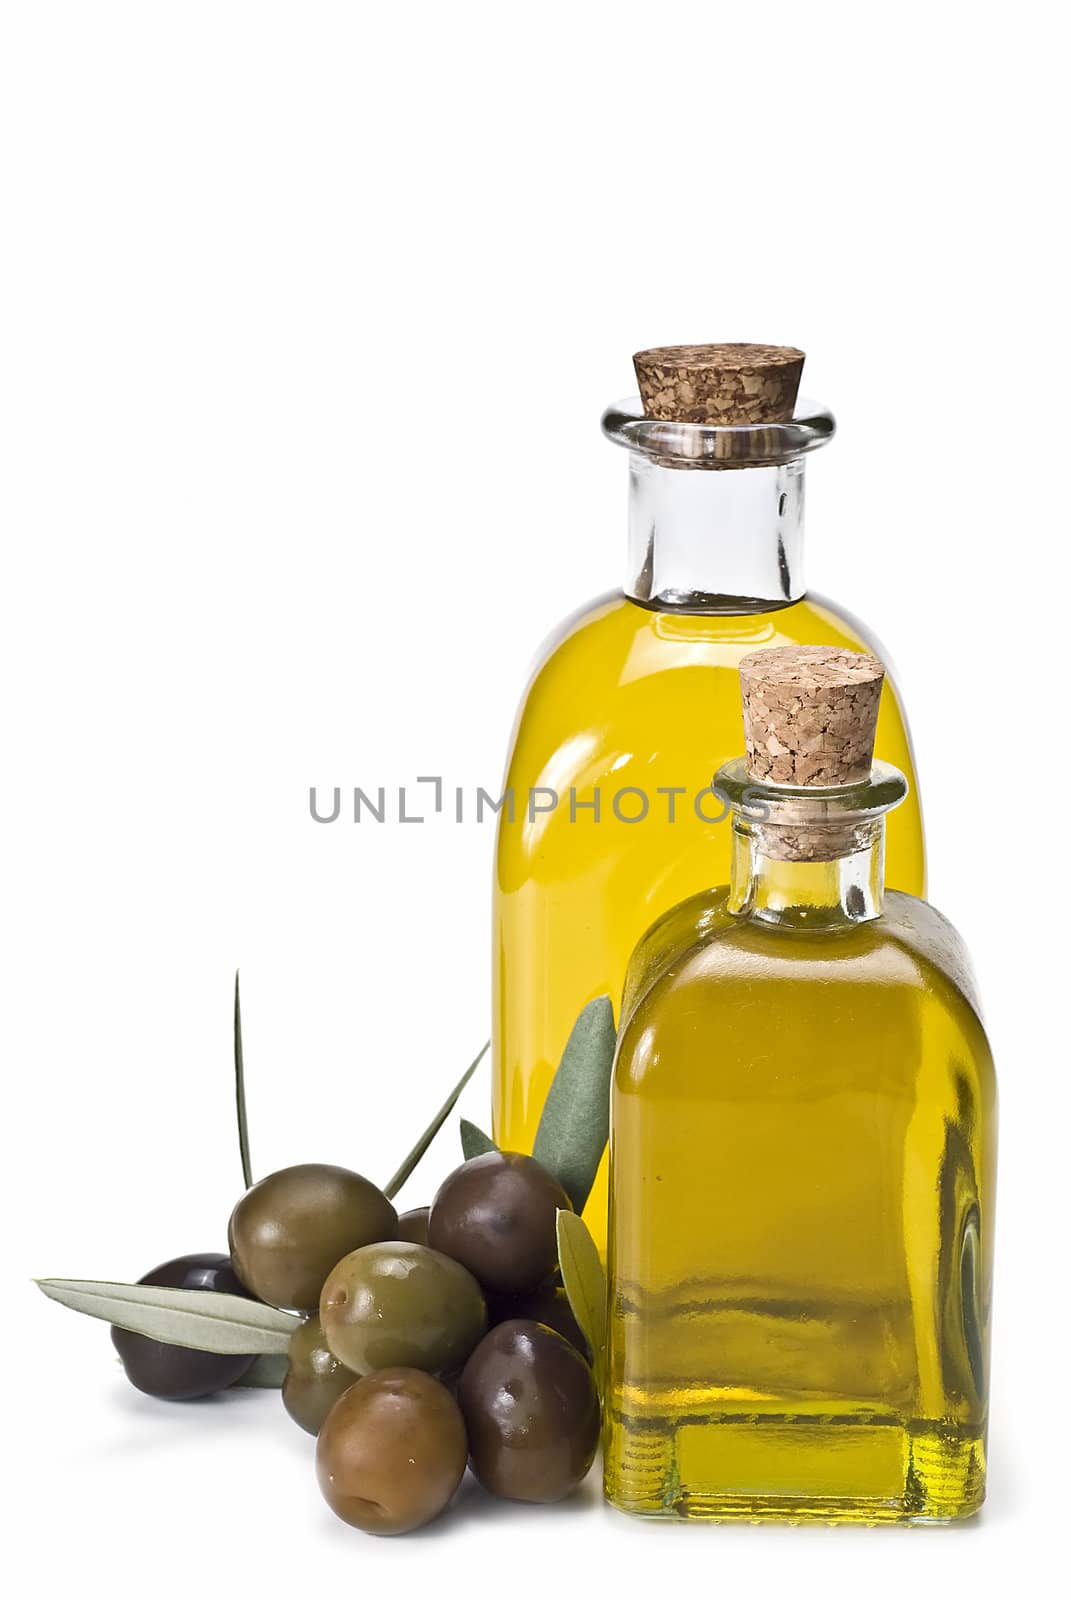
(635, 706)
(801, 1154)
(801, 1225)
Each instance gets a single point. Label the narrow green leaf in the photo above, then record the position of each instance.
(417, 1153)
(239, 1089)
(200, 1319)
(584, 1280)
(575, 1124)
(267, 1372)
(474, 1142)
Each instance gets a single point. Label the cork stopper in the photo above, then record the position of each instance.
(810, 715)
(725, 385)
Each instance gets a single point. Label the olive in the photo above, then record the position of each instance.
(401, 1305)
(170, 1371)
(392, 1451)
(548, 1305)
(315, 1378)
(413, 1225)
(288, 1230)
(497, 1216)
(531, 1411)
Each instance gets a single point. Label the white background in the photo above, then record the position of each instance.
(309, 315)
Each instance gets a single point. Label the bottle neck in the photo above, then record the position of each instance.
(704, 539)
(846, 888)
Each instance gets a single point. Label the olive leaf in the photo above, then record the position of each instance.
(416, 1154)
(584, 1281)
(474, 1142)
(239, 1089)
(575, 1124)
(267, 1372)
(199, 1319)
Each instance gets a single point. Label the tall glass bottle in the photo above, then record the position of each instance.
(611, 802)
(802, 1156)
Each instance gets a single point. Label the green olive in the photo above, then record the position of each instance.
(531, 1411)
(315, 1378)
(392, 1451)
(497, 1215)
(288, 1230)
(401, 1305)
(413, 1225)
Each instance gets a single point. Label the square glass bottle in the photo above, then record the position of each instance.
(802, 1155)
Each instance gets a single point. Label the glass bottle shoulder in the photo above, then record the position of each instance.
(600, 682)
(699, 954)
(682, 928)
(622, 696)
(613, 642)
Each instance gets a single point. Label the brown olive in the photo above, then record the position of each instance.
(171, 1371)
(401, 1305)
(288, 1230)
(548, 1305)
(531, 1411)
(392, 1451)
(413, 1225)
(497, 1216)
(315, 1378)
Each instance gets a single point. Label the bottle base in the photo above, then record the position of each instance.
(804, 1470)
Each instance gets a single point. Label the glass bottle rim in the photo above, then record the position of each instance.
(792, 805)
(699, 444)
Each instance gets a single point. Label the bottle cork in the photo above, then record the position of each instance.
(810, 715)
(724, 385)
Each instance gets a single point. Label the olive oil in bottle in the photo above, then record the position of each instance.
(609, 820)
(802, 1155)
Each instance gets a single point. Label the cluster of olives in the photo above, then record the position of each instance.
(430, 1341)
